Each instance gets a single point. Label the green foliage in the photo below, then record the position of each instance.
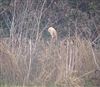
(88, 83)
(83, 5)
(73, 3)
(4, 27)
(5, 2)
(5, 18)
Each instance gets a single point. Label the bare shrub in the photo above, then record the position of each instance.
(9, 69)
(27, 59)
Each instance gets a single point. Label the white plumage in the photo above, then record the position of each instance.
(53, 33)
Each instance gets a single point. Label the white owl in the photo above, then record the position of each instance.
(53, 33)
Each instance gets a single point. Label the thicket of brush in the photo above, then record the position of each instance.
(40, 63)
(29, 58)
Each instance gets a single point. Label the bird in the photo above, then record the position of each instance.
(53, 33)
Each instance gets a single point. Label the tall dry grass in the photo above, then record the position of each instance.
(26, 58)
(63, 64)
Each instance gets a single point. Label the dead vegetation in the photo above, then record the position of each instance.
(29, 57)
(63, 64)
